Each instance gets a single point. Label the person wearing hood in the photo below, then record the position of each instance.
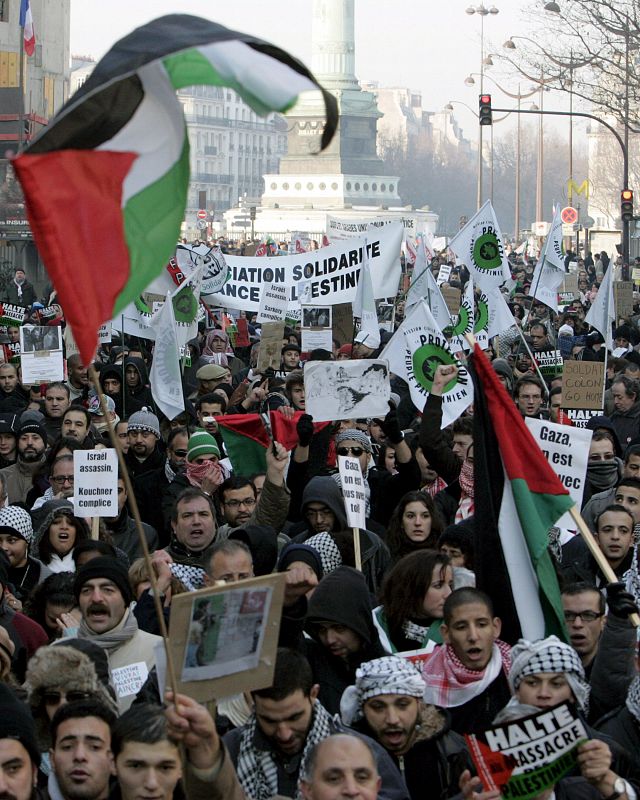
(504, 372)
(216, 349)
(600, 500)
(57, 538)
(626, 401)
(323, 509)
(112, 382)
(386, 704)
(343, 636)
(604, 468)
(137, 393)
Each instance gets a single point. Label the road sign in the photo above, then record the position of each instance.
(569, 215)
(202, 214)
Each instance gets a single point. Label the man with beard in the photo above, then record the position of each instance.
(81, 759)
(145, 464)
(32, 439)
(12, 396)
(104, 595)
(386, 704)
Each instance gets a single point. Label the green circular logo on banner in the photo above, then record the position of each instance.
(487, 252)
(482, 316)
(426, 360)
(142, 307)
(461, 324)
(185, 307)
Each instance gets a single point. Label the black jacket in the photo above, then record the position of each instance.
(148, 480)
(124, 534)
(140, 396)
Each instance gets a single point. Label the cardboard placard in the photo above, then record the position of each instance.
(623, 299)
(223, 639)
(583, 384)
(346, 389)
(270, 352)
(342, 323)
(451, 297)
(570, 284)
(95, 483)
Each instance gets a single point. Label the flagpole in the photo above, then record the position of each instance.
(21, 90)
(597, 553)
(171, 672)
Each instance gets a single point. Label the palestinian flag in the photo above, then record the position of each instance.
(517, 498)
(106, 181)
(246, 439)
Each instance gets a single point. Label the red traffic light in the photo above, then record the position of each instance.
(485, 98)
(484, 109)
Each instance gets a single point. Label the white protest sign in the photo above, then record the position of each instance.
(333, 272)
(346, 389)
(104, 333)
(95, 483)
(130, 679)
(338, 229)
(566, 448)
(41, 354)
(273, 303)
(443, 274)
(355, 498)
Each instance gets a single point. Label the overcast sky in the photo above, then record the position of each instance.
(429, 45)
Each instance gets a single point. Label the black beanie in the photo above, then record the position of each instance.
(17, 723)
(104, 567)
(301, 552)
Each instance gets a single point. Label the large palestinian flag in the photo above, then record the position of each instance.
(517, 498)
(106, 181)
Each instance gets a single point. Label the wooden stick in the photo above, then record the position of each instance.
(356, 547)
(597, 553)
(171, 672)
(95, 528)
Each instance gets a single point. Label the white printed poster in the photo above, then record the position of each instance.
(41, 354)
(353, 491)
(337, 390)
(95, 483)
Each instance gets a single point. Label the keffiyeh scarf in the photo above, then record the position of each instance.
(257, 769)
(450, 684)
(466, 507)
(387, 675)
(327, 549)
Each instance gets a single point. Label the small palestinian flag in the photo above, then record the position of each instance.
(517, 498)
(106, 182)
(246, 439)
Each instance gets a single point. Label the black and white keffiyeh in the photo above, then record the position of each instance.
(257, 770)
(415, 632)
(387, 675)
(549, 655)
(327, 549)
(633, 698)
(191, 577)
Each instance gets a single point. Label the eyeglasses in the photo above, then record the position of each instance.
(54, 698)
(249, 503)
(60, 479)
(318, 512)
(585, 616)
(354, 451)
(180, 453)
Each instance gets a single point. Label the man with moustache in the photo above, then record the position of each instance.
(104, 595)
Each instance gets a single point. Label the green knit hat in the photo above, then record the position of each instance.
(201, 443)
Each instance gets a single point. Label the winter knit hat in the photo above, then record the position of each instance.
(16, 520)
(201, 443)
(354, 435)
(17, 723)
(104, 567)
(30, 426)
(300, 552)
(144, 420)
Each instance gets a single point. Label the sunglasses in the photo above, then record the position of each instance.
(54, 698)
(354, 451)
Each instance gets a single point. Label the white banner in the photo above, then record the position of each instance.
(346, 389)
(414, 353)
(165, 377)
(95, 483)
(332, 272)
(566, 448)
(353, 491)
(340, 228)
(479, 247)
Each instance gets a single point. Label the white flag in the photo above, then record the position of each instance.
(499, 315)
(165, 378)
(553, 252)
(479, 247)
(549, 272)
(364, 306)
(424, 287)
(466, 320)
(414, 353)
(602, 314)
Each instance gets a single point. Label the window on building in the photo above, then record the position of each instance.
(4, 10)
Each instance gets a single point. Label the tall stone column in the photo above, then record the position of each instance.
(333, 43)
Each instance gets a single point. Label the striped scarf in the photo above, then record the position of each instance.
(257, 769)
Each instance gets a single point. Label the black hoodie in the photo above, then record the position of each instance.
(136, 398)
(341, 598)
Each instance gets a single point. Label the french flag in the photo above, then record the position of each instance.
(26, 23)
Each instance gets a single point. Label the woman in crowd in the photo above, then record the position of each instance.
(50, 600)
(413, 595)
(60, 532)
(414, 525)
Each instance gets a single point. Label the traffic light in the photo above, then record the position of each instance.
(484, 113)
(626, 205)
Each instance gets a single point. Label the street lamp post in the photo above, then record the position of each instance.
(482, 12)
